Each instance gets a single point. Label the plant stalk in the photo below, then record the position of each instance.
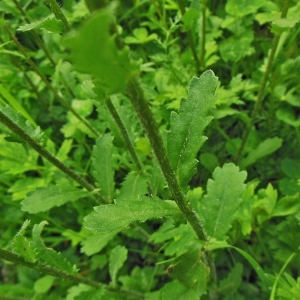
(124, 133)
(48, 84)
(262, 87)
(203, 38)
(190, 39)
(40, 267)
(46, 154)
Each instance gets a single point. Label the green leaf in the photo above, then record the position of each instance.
(175, 290)
(22, 246)
(140, 37)
(48, 255)
(43, 284)
(287, 205)
(190, 271)
(35, 133)
(102, 166)
(50, 24)
(134, 185)
(186, 135)
(232, 282)
(263, 149)
(209, 161)
(95, 52)
(289, 186)
(222, 200)
(242, 7)
(287, 115)
(96, 242)
(291, 168)
(117, 257)
(43, 199)
(108, 218)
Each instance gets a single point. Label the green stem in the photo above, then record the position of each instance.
(262, 87)
(124, 133)
(48, 84)
(58, 13)
(147, 119)
(203, 38)
(45, 153)
(41, 44)
(190, 39)
(40, 267)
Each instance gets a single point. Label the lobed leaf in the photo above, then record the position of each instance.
(108, 218)
(48, 255)
(186, 135)
(222, 200)
(102, 166)
(43, 199)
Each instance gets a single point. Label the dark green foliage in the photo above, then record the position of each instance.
(196, 102)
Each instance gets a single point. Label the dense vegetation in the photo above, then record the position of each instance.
(149, 149)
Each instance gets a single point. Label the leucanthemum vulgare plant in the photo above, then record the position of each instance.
(119, 208)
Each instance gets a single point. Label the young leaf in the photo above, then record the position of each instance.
(47, 255)
(102, 166)
(186, 135)
(117, 257)
(231, 283)
(22, 246)
(43, 199)
(263, 149)
(222, 200)
(95, 52)
(108, 218)
(134, 185)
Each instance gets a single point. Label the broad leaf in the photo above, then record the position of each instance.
(48, 255)
(43, 199)
(95, 52)
(117, 257)
(222, 200)
(186, 135)
(22, 246)
(263, 149)
(102, 166)
(108, 218)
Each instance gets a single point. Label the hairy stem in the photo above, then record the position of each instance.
(48, 84)
(46, 154)
(124, 133)
(262, 87)
(40, 267)
(58, 13)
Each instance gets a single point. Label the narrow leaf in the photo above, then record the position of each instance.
(186, 135)
(43, 199)
(48, 255)
(222, 200)
(263, 149)
(102, 166)
(117, 257)
(107, 218)
(50, 24)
